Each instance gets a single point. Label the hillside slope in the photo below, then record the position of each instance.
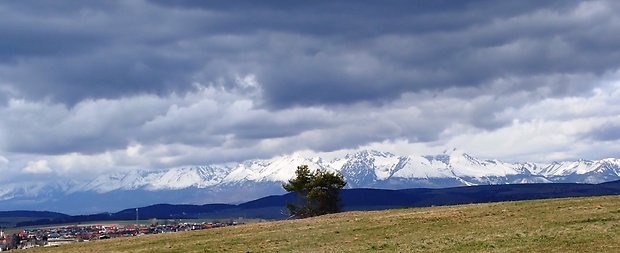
(557, 225)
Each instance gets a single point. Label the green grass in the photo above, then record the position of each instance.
(558, 225)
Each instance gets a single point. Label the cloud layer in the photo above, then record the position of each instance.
(116, 85)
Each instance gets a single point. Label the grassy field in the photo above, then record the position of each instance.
(558, 225)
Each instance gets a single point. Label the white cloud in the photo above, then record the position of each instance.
(4, 160)
(134, 150)
(37, 167)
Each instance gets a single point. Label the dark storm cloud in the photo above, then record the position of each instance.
(605, 132)
(302, 53)
(39, 30)
(108, 75)
(71, 51)
(375, 53)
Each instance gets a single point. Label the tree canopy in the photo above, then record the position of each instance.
(317, 192)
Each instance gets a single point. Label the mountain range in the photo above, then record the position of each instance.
(259, 178)
(360, 199)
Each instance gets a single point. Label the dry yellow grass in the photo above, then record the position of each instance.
(558, 225)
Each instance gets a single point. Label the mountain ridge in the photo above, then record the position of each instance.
(258, 178)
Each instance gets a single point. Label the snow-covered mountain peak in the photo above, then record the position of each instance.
(368, 155)
(114, 181)
(278, 169)
(368, 166)
(582, 167)
(610, 160)
(181, 178)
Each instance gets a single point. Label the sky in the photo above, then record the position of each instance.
(93, 87)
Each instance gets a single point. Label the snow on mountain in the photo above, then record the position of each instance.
(6, 194)
(13, 190)
(364, 168)
(566, 168)
(106, 183)
(534, 168)
(579, 167)
(200, 177)
(369, 169)
(461, 167)
(34, 192)
(421, 168)
(464, 165)
(279, 169)
(583, 171)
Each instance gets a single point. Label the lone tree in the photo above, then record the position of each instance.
(317, 192)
